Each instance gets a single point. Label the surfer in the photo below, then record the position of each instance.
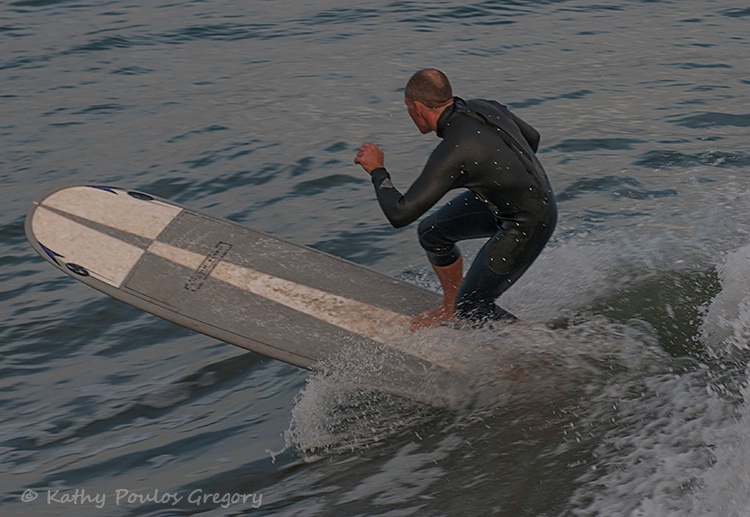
(491, 152)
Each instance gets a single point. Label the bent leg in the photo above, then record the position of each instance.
(450, 277)
(475, 300)
(498, 265)
(465, 217)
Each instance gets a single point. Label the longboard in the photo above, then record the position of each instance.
(235, 284)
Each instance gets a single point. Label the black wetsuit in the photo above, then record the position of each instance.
(490, 151)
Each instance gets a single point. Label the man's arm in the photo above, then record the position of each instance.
(402, 209)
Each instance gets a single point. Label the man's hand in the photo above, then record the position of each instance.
(370, 157)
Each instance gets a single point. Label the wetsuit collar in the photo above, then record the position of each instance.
(442, 122)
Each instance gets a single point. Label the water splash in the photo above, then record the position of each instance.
(341, 408)
(725, 331)
(344, 406)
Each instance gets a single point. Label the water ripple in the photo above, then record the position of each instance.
(315, 186)
(109, 43)
(574, 95)
(341, 16)
(593, 144)
(712, 119)
(230, 32)
(617, 186)
(691, 66)
(38, 3)
(737, 12)
(659, 159)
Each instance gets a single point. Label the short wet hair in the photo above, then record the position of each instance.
(429, 86)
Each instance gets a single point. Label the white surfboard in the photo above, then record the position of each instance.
(284, 301)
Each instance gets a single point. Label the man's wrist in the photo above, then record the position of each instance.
(378, 171)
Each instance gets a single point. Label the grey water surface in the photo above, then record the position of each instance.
(630, 398)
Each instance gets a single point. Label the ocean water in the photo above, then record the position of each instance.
(630, 398)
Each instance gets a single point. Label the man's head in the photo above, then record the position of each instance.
(427, 93)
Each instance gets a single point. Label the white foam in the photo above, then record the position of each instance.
(724, 486)
(335, 411)
(726, 325)
(655, 444)
(678, 441)
(513, 366)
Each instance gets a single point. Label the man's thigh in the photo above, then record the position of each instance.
(464, 217)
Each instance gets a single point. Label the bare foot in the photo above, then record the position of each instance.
(433, 318)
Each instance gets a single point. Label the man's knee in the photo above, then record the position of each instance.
(424, 227)
(441, 250)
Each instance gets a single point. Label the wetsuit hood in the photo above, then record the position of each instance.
(446, 114)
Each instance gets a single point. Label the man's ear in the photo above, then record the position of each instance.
(420, 108)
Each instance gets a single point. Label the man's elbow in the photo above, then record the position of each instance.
(399, 221)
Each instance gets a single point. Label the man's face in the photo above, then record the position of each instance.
(415, 112)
